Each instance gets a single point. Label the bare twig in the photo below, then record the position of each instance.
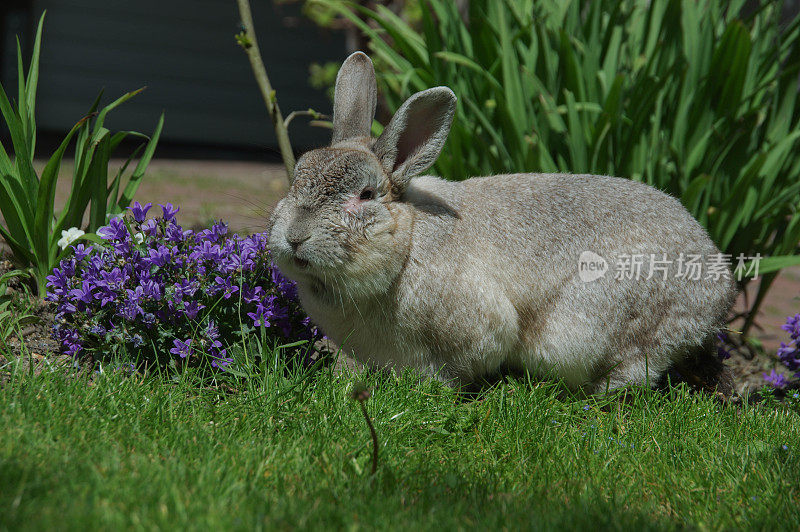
(315, 116)
(374, 438)
(360, 393)
(247, 40)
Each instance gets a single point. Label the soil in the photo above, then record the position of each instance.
(244, 193)
(33, 345)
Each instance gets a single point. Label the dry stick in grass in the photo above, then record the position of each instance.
(247, 40)
(360, 393)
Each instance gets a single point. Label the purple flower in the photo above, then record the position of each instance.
(72, 349)
(235, 262)
(286, 286)
(775, 379)
(97, 330)
(182, 348)
(185, 288)
(260, 318)
(84, 293)
(135, 295)
(263, 312)
(191, 309)
(139, 212)
(105, 296)
(80, 252)
(120, 295)
(169, 211)
(207, 251)
(115, 230)
(219, 230)
(252, 295)
(223, 285)
(130, 310)
(58, 281)
(149, 227)
(175, 233)
(112, 279)
(722, 346)
(221, 361)
(789, 353)
(211, 330)
(159, 256)
(151, 289)
(792, 326)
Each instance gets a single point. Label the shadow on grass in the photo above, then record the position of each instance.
(431, 498)
(24, 489)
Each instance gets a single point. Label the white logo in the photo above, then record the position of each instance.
(591, 266)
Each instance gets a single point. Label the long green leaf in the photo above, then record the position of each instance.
(44, 212)
(98, 183)
(141, 167)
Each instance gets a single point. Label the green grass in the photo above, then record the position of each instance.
(289, 451)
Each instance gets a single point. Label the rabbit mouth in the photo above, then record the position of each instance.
(300, 263)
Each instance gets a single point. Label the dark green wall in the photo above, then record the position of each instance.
(184, 52)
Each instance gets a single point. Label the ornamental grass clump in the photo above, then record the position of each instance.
(154, 293)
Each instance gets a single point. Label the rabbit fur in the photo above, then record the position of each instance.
(459, 279)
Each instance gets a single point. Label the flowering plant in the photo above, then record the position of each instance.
(155, 292)
(789, 354)
(32, 225)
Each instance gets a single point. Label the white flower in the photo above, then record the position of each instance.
(69, 236)
(139, 238)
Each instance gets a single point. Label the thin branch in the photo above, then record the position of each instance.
(361, 393)
(316, 116)
(247, 40)
(374, 438)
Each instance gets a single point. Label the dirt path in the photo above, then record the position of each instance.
(240, 193)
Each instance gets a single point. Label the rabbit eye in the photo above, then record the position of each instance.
(367, 194)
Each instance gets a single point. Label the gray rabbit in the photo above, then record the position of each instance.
(523, 271)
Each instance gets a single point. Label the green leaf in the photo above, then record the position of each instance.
(772, 264)
(691, 197)
(44, 212)
(17, 248)
(33, 70)
(469, 63)
(23, 163)
(97, 180)
(141, 167)
(16, 210)
(101, 116)
(112, 196)
(511, 74)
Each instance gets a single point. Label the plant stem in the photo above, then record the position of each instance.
(250, 46)
(763, 288)
(312, 113)
(374, 437)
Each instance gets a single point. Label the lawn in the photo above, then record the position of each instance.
(290, 449)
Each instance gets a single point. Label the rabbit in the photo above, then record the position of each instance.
(459, 279)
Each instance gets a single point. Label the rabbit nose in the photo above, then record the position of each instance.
(295, 241)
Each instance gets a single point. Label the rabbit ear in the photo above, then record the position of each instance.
(414, 137)
(354, 99)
